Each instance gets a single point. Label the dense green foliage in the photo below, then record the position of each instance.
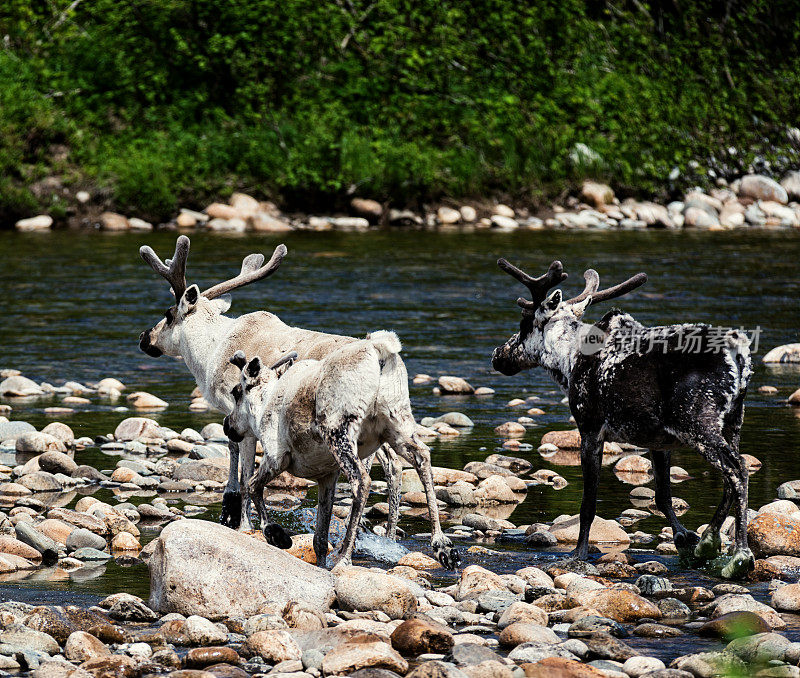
(163, 101)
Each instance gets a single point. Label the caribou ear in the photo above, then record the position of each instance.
(191, 294)
(254, 367)
(552, 302)
(238, 359)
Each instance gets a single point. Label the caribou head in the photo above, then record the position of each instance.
(192, 305)
(551, 326)
(240, 420)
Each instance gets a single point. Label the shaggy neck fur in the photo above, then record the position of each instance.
(556, 348)
(202, 336)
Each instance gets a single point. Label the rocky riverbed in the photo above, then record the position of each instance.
(752, 201)
(225, 603)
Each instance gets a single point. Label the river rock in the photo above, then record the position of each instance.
(199, 470)
(134, 428)
(760, 187)
(200, 657)
(602, 531)
(41, 481)
(125, 541)
(37, 442)
(82, 646)
(350, 657)
(791, 184)
(634, 463)
(774, 534)
(83, 538)
(597, 194)
(21, 638)
(141, 400)
(14, 490)
(734, 625)
(504, 222)
(10, 430)
(418, 636)
(525, 632)
(535, 652)
(18, 386)
(41, 222)
(111, 221)
(732, 602)
(787, 598)
(696, 217)
(15, 547)
(475, 580)
(455, 385)
(363, 590)
(199, 567)
(460, 493)
(495, 490)
(201, 631)
(760, 648)
(788, 353)
(447, 215)
(57, 462)
(114, 666)
(620, 605)
(708, 664)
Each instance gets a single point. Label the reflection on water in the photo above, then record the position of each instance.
(74, 305)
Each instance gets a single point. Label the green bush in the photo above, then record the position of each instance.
(164, 101)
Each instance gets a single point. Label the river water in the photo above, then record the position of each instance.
(73, 305)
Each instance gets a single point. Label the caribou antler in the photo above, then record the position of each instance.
(172, 270)
(592, 279)
(593, 283)
(252, 270)
(539, 287)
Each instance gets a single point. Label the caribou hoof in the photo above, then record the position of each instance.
(739, 565)
(708, 548)
(449, 557)
(277, 536)
(686, 541)
(231, 515)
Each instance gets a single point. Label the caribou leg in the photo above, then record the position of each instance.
(274, 533)
(723, 457)
(326, 491)
(684, 539)
(392, 470)
(343, 444)
(231, 514)
(710, 544)
(591, 460)
(411, 448)
(247, 453)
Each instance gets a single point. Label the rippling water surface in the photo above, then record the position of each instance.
(74, 305)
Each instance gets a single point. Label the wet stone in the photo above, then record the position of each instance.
(465, 654)
(592, 624)
(649, 584)
(200, 657)
(652, 630)
(734, 625)
(672, 608)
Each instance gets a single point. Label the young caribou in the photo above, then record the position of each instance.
(197, 329)
(655, 387)
(319, 418)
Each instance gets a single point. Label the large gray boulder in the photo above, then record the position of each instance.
(202, 568)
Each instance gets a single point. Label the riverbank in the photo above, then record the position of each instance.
(517, 608)
(752, 201)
